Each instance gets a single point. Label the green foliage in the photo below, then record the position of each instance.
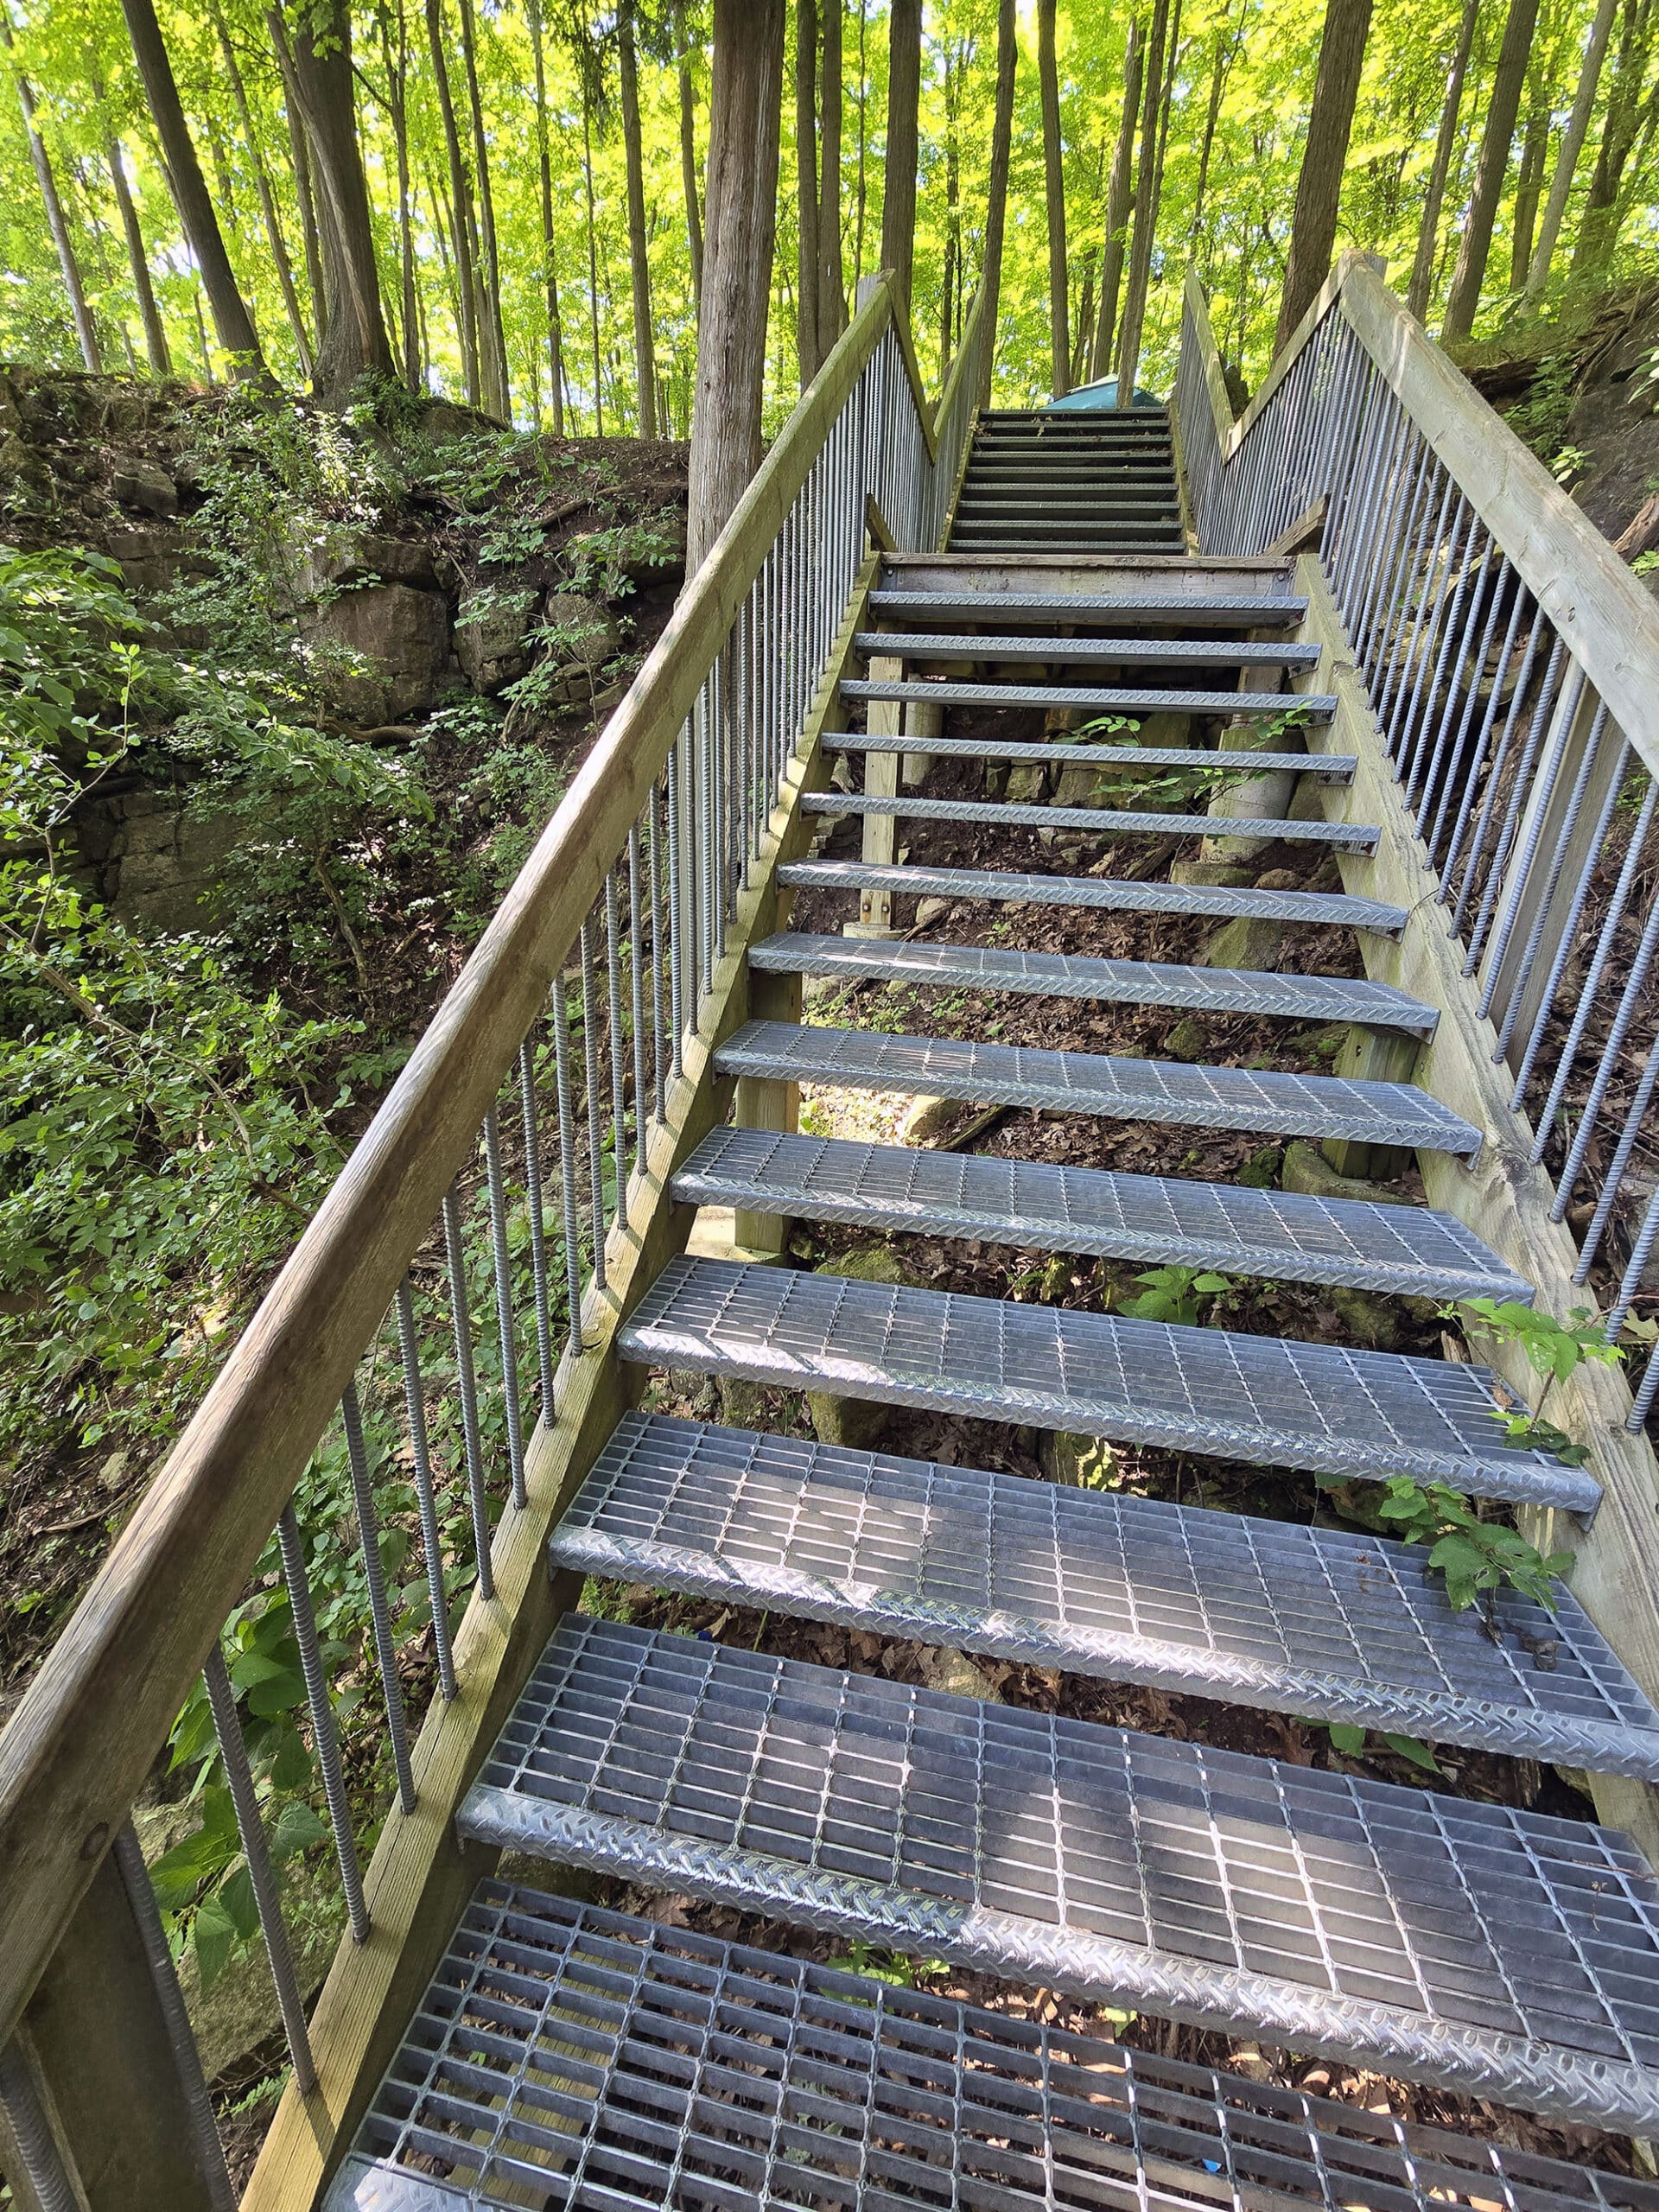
(1553, 1348)
(891, 1966)
(1473, 1555)
(1351, 1741)
(1173, 1295)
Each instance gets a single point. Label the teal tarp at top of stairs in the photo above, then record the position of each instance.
(1102, 393)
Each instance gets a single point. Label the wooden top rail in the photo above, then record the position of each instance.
(1600, 611)
(76, 1752)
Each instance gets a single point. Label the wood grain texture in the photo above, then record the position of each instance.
(421, 1875)
(77, 1750)
(1502, 1198)
(1215, 383)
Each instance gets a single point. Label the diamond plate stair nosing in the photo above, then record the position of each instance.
(1268, 992)
(1317, 1408)
(941, 691)
(1327, 767)
(1104, 821)
(1497, 1952)
(1228, 611)
(1085, 1083)
(1329, 1625)
(935, 644)
(687, 2071)
(1332, 908)
(1283, 1236)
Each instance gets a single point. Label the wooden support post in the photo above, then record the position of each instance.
(96, 2038)
(1268, 796)
(880, 781)
(924, 721)
(764, 1103)
(1372, 1056)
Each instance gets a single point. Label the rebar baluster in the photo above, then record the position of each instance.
(566, 1113)
(374, 1574)
(654, 856)
(1591, 985)
(1445, 628)
(1457, 687)
(637, 993)
(325, 1736)
(595, 1139)
(676, 916)
(181, 2037)
(536, 1203)
(1539, 797)
(1471, 700)
(415, 1404)
(1636, 1114)
(1568, 936)
(1645, 1395)
(54, 2188)
(618, 1081)
(467, 1383)
(238, 1777)
(1551, 878)
(1523, 786)
(1494, 777)
(1624, 1019)
(504, 1316)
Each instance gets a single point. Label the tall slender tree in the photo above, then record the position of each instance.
(1508, 82)
(274, 239)
(1145, 209)
(743, 118)
(645, 365)
(394, 47)
(898, 180)
(1428, 228)
(549, 262)
(806, 189)
(1628, 119)
(1048, 84)
(156, 345)
(356, 342)
(233, 323)
(459, 206)
(1572, 145)
(1318, 187)
(832, 298)
(689, 151)
(1530, 178)
(996, 191)
(57, 221)
(1119, 195)
(486, 265)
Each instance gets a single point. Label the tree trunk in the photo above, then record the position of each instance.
(397, 101)
(1048, 85)
(952, 213)
(1119, 200)
(1226, 55)
(1464, 298)
(1318, 188)
(832, 300)
(592, 249)
(460, 205)
(1429, 230)
(688, 153)
(492, 331)
(996, 194)
(1567, 159)
(304, 185)
(1529, 184)
(267, 202)
(233, 323)
(806, 195)
(899, 183)
(1600, 226)
(356, 344)
(1146, 210)
(549, 268)
(744, 114)
(638, 265)
(57, 222)
(161, 360)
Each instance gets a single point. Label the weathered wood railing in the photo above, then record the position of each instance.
(545, 1107)
(1498, 667)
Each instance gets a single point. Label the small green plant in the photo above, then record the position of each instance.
(891, 1966)
(1475, 1557)
(1554, 1349)
(1350, 1741)
(1173, 1295)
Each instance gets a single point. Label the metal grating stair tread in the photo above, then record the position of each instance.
(1222, 610)
(1317, 1407)
(1495, 1952)
(1329, 768)
(1280, 1235)
(1122, 982)
(1088, 1083)
(1326, 1624)
(1218, 900)
(943, 691)
(563, 2055)
(936, 644)
(1104, 822)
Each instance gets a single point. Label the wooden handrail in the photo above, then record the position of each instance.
(1215, 383)
(958, 367)
(76, 1752)
(1599, 609)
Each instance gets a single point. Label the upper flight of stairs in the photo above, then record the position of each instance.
(568, 2054)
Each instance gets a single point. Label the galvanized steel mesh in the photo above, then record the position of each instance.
(568, 2056)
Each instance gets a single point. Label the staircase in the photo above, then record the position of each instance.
(568, 2054)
